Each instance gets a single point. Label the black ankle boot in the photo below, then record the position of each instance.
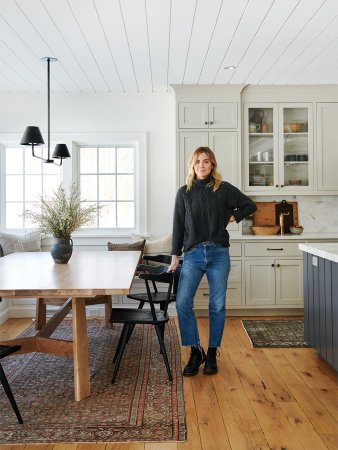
(197, 357)
(210, 366)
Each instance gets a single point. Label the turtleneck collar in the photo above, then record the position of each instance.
(202, 183)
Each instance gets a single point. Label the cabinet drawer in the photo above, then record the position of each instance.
(275, 249)
(233, 297)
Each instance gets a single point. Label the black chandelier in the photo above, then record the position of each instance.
(32, 135)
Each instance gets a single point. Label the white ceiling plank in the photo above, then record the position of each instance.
(252, 19)
(259, 45)
(158, 19)
(110, 16)
(228, 21)
(91, 29)
(182, 14)
(75, 52)
(284, 40)
(207, 13)
(314, 47)
(134, 17)
(309, 34)
(145, 45)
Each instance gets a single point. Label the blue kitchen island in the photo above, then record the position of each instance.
(320, 268)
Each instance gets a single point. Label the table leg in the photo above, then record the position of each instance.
(80, 349)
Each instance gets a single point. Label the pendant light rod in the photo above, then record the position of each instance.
(32, 135)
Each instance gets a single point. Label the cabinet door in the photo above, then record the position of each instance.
(224, 145)
(295, 147)
(327, 146)
(261, 147)
(223, 115)
(260, 282)
(193, 115)
(289, 282)
(189, 142)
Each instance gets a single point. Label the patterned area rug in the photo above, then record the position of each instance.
(141, 406)
(275, 333)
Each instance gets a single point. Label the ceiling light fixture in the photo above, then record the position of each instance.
(229, 68)
(32, 135)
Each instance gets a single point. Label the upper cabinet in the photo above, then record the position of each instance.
(207, 115)
(278, 148)
(327, 147)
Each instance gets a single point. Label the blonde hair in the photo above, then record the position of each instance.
(216, 177)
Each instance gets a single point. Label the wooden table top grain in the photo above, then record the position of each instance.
(88, 273)
(90, 277)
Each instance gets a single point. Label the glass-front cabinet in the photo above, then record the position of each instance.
(278, 147)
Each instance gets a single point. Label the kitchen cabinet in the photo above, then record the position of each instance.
(327, 147)
(207, 115)
(274, 281)
(320, 300)
(278, 148)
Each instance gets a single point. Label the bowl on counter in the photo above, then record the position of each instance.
(266, 230)
(296, 229)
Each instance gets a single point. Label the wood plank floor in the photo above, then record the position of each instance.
(260, 399)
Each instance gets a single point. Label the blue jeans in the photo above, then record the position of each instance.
(214, 260)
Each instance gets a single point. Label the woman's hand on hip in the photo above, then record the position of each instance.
(174, 263)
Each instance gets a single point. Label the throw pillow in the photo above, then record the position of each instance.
(126, 246)
(10, 243)
(156, 246)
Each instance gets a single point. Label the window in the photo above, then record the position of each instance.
(111, 170)
(107, 177)
(25, 180)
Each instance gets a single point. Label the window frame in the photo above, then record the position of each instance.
(70, 171)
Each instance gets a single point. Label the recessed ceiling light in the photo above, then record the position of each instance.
(230, 68)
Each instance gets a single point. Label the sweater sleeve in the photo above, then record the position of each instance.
(179, 224)
(242, 205)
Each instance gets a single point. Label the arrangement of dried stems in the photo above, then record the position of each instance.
(62, 213)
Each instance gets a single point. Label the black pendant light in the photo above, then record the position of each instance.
(32, 135)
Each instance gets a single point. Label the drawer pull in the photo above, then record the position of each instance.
(272, 249)
(206, 294)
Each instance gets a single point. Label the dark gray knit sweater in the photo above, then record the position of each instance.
(202, 215)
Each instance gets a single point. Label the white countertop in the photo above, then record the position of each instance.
(305, 236)
(323, 250)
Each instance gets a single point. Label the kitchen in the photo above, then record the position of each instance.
(142, 111)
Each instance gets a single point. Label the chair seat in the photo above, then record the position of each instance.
(157, 297)
(6, 350)
(134, 316)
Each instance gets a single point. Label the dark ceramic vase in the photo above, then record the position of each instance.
(62, 250)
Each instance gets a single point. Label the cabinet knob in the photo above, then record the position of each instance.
(206, 123)
(272, 265)
(211, 123)
(278, 265)
(282, 185)
(277, 185)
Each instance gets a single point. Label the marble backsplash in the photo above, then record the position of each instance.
(315, 213)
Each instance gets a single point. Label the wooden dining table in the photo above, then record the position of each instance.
(90, 277)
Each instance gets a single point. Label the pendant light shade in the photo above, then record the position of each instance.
(61, 151)
(32, 135)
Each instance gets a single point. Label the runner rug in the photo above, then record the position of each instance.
(141, 406)
(275, 333)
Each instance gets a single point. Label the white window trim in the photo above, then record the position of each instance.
(70, 171)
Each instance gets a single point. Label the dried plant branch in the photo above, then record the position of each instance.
(61, 214)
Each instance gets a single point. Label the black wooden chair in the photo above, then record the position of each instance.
(6, 350)
(156, 317)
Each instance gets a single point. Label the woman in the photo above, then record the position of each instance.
(203, 208)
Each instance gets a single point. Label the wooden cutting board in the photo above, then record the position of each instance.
(266, 213)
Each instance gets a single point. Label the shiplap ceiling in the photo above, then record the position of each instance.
(146, 45)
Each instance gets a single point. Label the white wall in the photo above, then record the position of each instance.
(102, 113)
